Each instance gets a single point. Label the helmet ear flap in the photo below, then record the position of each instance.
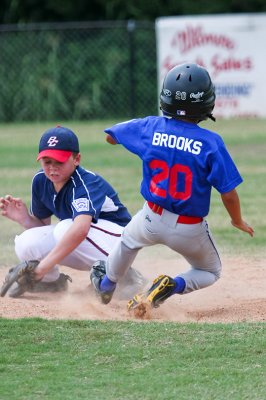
(212, 117)
(188, 92)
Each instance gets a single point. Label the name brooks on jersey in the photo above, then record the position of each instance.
(178, 142)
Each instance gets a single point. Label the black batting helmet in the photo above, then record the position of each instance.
(188, 92)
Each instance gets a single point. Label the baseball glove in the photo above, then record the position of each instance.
(23, 274)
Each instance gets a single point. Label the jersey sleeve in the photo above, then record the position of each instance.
(224, 175)
(129, 134)
(89, 196)
(86, 199)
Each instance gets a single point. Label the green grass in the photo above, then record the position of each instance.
(134, 360)
(125, 360)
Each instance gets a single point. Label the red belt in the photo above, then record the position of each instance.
(181, 219)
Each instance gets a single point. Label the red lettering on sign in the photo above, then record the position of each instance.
(196, 37)
(230, 64)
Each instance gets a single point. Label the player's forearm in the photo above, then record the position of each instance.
(29, 221)
(232, 205)
(16, 210)
(59, 252)
(69, 242)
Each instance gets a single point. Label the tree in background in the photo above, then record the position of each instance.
(29, 11)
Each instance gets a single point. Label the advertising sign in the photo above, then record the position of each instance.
(232, 49)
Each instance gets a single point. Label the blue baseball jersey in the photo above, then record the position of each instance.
(181, 162)
(84, 193)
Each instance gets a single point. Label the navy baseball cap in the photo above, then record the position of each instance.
(58, 143)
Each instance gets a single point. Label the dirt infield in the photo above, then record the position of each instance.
(240, 295)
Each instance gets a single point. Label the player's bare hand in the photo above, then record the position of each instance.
(243, 226)
(13, 208)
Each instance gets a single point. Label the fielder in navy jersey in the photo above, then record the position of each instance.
(85, 193)
(91, 216)
(181, 162)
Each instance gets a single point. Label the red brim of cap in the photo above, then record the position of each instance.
(58, 155)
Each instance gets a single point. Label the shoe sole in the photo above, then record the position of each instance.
(106, 297)
(159, 289)
(139, 300)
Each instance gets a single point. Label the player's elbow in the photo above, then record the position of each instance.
(110, 139)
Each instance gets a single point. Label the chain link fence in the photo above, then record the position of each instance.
(78, 71)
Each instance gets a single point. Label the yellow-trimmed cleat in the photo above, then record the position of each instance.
(161, 289)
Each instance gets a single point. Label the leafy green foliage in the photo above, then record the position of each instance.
(91, 71)
(66, 10)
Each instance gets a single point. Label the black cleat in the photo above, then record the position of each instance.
(97, 274)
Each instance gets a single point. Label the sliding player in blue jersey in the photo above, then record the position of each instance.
(182, 162)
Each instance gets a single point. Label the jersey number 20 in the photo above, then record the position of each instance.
(171, 174)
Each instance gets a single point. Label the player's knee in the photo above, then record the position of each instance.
(217, 272)
(25, 249)
(34, 243)
(130, 243)
(61, 228)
